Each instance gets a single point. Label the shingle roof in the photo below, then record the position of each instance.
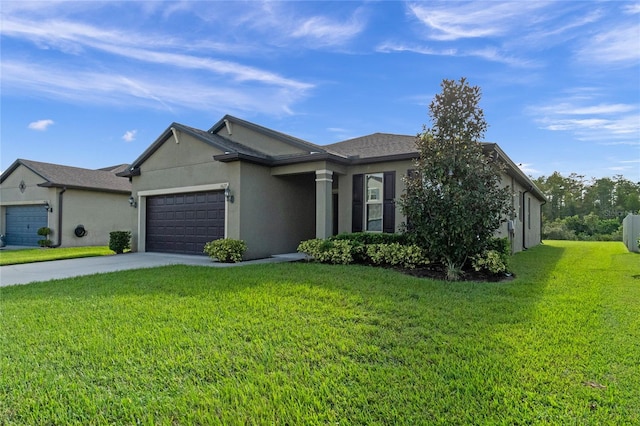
(375, 145)
(57, 175)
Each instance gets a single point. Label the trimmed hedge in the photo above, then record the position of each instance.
(119, 241)
(366, 238)
(226, 250)
(364, 248)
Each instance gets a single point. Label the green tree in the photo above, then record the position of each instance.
(453, 201)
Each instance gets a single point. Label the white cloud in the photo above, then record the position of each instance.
(147, 90)
(589, 120)
(324, 31)
(528, 169)
(191, 76)
(74, 38)
(488, 53)
(129, 135)
(41, 125)
(619, 45)
(458, 20)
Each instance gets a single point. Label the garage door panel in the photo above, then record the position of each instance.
(22, 224)
(183, 223)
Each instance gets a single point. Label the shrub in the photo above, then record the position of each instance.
(328, 251)
(226, 250)
(345, 250)
(491, 261)
(407, 256)
(45, 243)
(119, 241)
(44, 232)
(366, 238)
(557, 230)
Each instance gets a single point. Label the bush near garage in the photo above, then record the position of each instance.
(226, 250)
(119, 241)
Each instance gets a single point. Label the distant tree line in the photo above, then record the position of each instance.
(581, 209)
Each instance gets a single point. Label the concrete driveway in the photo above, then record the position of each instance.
(45, 271)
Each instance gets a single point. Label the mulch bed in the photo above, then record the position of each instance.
(438, 271)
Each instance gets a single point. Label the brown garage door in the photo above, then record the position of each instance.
(183, 223)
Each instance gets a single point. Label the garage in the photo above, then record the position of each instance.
(23, 223)
(183, 223)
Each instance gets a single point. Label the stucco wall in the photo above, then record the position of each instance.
(260, 141)
(526, 219)
(187, 166)
(277, 212)
(100, 212)
(345, 188)
(10, 194)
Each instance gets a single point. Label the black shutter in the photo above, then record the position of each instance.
(389, 203)
(357, 208)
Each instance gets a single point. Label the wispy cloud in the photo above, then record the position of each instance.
(492, 54)
(187, 79)
(325, 31)
(619, 45)
(41, 125)
(589, 120)
(528, 169)
(458, 20)
(129, 135)
(167, 92)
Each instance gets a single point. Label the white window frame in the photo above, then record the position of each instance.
(373, 197)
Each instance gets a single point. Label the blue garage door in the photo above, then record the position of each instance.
(23, 223)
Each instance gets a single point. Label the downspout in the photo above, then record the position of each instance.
(64, 188)
(524, 222)
(543, 203)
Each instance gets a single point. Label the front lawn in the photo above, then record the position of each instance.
(13, 257)
(316, 344)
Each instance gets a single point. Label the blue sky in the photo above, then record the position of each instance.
(92, 84)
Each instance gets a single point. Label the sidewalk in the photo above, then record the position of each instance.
(68, 268)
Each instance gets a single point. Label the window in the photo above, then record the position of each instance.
(373, 193)
(521, 205)
(373, 202)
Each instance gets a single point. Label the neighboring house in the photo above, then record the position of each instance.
(65, 199)
(243, 181)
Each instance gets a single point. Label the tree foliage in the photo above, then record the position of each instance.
(580, 209)
(453, 200)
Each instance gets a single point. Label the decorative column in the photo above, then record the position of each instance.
(324, 200)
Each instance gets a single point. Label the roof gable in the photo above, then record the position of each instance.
(56, 175)
(270, 142)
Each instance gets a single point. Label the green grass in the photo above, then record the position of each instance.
(13, 257)
(317, 344)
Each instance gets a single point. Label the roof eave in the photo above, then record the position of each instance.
(514, 171)
(237, 156)
(385, 158)
(20, 162)
(83, 188)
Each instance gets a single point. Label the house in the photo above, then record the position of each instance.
(81, 206)
(244, 181)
